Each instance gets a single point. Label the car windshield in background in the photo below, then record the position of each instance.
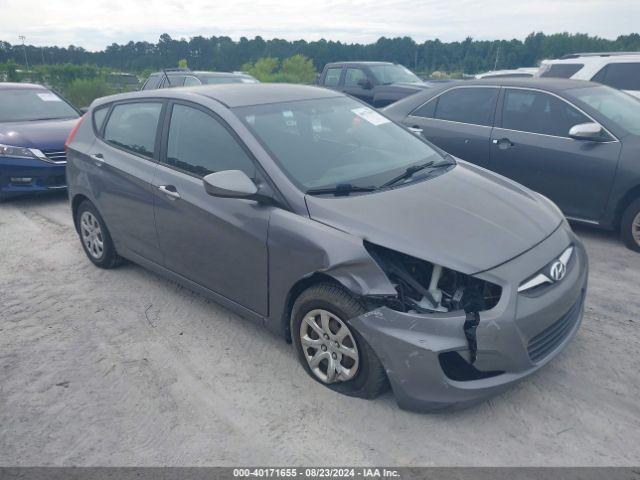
(21, 105)
(619, 107)
(215, 79)
(386, 74)
(335, 142)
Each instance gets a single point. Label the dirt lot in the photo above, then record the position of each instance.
(123, 367)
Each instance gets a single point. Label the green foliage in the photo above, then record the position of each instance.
(295, 69)
(182, 63)
(81, 92)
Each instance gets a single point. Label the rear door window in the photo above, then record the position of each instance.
(191, 81)
(332, 77)
(133, 127)
(199, 144)
(562, 70)
(623, 76)
(538, 112)
(468, 105)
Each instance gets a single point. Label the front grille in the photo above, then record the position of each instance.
(56, 155)
(548, 339)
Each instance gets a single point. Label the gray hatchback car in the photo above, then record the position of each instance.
(384, 260)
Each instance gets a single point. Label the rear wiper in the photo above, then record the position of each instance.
(342, 189)
(408, 173)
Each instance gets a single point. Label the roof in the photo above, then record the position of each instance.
(550, 84)
(235, 94)
(20, 86)
(598, 54)
(199, 72)
(356, 62)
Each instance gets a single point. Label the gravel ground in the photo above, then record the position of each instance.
(123, 367)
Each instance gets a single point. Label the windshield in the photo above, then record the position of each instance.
(386, 74)
(335, 141)
(617, 106)
(21, 105)
(215, 79)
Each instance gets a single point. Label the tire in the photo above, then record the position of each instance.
(95, 238)
(630, 226)
(368, 379)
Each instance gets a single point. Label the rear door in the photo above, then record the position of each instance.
(218, 243)
(124, 163)
(531, 145)
(459, 121)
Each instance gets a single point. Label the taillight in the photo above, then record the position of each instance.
(73, 133)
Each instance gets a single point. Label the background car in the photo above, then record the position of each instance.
(179, 77)
(309, 212)
(34, 124)
(619, 70)
(576, 142)
(377, 83)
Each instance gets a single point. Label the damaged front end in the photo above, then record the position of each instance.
(424, 287)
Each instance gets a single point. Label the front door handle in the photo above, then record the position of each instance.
(170, 191)
(503, 143)
(415, 129)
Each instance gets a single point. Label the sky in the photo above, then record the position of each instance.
(94, 24)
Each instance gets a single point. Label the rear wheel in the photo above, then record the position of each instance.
(630, 226)
(332, 352)
(95, 238)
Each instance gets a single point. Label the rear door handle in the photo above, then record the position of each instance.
(170, 191)
(415, 129)
(98, 159)
(503, 143)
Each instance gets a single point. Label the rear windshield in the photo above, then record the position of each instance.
(22, 105)
(562, 70)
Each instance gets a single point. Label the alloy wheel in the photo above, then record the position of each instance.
(328, 346)
(635, 229)
(92, 234)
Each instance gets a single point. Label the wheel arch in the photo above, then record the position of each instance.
(628, 198)
(75, 204)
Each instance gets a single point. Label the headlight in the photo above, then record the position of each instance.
(16, 152)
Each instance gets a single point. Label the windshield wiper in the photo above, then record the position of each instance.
(342, 189)
(408, 173)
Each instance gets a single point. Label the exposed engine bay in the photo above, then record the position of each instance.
(425, 287)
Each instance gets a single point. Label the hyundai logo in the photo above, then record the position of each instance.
(557, 271)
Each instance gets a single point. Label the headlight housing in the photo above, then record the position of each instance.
(16, 152)
(426, 287)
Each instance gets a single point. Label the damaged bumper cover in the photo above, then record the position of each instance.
(430, 359)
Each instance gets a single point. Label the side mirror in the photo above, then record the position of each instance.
(365, 83)
(229, 184)
(587, 131)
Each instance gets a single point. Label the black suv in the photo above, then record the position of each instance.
(183, 77)
(377, 83)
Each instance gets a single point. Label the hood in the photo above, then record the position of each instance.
(42, 134)
(467, 219)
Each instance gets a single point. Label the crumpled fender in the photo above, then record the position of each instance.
(300, 247)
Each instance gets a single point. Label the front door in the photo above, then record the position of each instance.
(355, 84)
(531, 145)
(219, 243)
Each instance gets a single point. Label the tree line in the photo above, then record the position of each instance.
(224, 54)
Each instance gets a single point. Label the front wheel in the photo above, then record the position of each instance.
(330, 351)
(630, 226)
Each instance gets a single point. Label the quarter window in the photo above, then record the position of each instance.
(468, 105)
(539, 112)
(99, 115)
(133, 126)
(353, 76)
(200, 144)
(332, 77)
(191, 81)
